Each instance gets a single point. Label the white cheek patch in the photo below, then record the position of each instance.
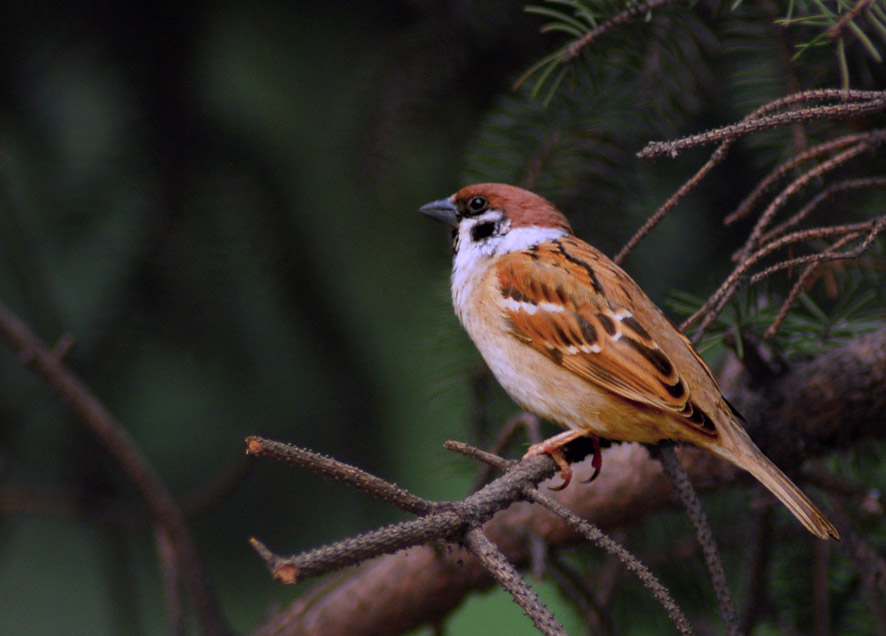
(522, 238)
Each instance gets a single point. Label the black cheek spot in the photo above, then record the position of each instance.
(482, 231)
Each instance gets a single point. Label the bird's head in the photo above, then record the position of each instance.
(492, 218)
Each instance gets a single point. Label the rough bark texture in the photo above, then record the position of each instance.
(832, 402)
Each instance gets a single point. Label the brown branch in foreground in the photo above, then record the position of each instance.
(101, 424)
(453, 522)
(509, 578)
(590, 532)
(834, 402)
(443, 521)
(593, 534)
(340, 471)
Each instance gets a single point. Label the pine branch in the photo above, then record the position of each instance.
(833, 402)
(852, 104)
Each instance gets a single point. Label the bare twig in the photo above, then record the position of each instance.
(712, 307)
(596, 536)
(744, 208)
(751, 123)
(690, 499)
(340, 471)
(672, 202)
(853, 104)
(591, 533)
(573, 586)
(752, 242)
(836, 30)
(828, 193)
(522, 420)
(102, 425)
(446, 521)
(875, 228)
(629, 14)
(509, 578)
(792, 297)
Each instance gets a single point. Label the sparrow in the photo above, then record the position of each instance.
(573, 339)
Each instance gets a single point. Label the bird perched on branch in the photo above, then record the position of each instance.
(572, 338)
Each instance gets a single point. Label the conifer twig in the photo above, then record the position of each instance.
(631, 13)
(852, 104)
(509, 578)
(836, 30)
(660, 214)
(688, 496)
(744, 208)
(596, 536)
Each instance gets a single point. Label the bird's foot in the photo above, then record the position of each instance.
(553, 446)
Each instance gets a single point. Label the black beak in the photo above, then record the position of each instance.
(442, 210)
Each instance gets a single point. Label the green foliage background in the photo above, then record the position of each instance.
(218, 201)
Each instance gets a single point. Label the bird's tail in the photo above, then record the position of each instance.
(746, 454)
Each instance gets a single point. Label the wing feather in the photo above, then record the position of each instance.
(559, 307)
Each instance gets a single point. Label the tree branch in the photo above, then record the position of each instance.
(167, 515)
(832, 402)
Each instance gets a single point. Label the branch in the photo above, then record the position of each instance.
(850, 104)
(833, 402)
(705, 535)
(509, 578)
(631, 13)
(47, 364)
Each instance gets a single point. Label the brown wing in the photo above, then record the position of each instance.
(556, 303)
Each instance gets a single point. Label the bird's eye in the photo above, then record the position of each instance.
(477, 204)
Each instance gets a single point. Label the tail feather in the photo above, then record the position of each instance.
(752, 459)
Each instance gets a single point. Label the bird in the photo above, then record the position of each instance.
(573, 339)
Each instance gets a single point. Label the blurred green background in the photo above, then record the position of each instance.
(218, 201)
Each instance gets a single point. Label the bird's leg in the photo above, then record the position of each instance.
(553, 446)
(597, 461)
